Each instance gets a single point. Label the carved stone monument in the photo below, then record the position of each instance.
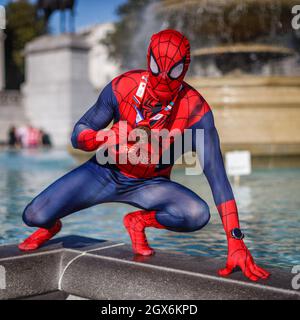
(57, 90)
(2, 60)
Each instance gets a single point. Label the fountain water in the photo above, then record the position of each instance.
(246, 64)
(232, 34)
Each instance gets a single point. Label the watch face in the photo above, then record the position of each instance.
(237, 234)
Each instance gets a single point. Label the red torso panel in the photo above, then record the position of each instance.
(188, 109)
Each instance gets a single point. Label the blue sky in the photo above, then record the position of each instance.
(88, 12)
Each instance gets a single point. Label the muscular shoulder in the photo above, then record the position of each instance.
(126, 83)
(192, 105)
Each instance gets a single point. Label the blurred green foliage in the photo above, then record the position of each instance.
(23, 25)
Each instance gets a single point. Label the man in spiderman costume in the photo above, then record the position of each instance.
(156, 98)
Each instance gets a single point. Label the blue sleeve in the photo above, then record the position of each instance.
(99, 115)
(213, 166)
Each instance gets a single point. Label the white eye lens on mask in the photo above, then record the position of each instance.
(176, 71)
(153, 66)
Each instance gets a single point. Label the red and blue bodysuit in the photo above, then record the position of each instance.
(156, 98)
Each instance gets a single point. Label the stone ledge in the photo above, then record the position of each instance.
(245, 81)
(51, 43)
(99, 269)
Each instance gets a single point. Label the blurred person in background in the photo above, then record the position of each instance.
(34, 137)
(12, 137)
(23, 135)
(46, 139)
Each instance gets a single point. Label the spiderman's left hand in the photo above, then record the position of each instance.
(240, 256)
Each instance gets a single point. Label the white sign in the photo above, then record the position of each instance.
(2, 18)
(238, 163)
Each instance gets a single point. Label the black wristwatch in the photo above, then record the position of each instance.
(237, 234)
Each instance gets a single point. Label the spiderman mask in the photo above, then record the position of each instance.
(168, 61)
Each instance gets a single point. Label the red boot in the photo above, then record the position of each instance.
(135, 223)
(39, 237)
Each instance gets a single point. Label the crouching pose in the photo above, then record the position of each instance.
(156, 98)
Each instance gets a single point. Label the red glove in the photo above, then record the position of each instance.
(90, 140)
(86, 140)
(238, 253)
